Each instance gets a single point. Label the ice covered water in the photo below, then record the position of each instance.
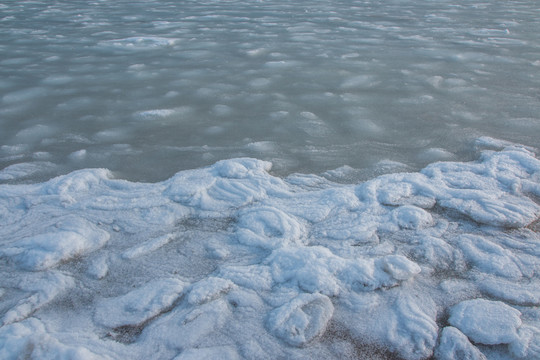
(148, 88)
(245, 212)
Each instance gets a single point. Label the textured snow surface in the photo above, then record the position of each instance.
(262, 179)
(230, 261)
(486, 322)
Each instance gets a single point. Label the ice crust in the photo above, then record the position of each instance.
(486, 322)
(139, 305)
(454, 345)
(230, 261)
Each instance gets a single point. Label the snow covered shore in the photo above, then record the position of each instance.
(231, 262)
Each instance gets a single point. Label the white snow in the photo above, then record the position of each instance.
(67, 237)
(486, 322)
(302, 319)
(208, 289)
(280, 259)
(41, 289)
(139, 305)
(25, 170)
(269, 180)
(454, 345)
(146, 247)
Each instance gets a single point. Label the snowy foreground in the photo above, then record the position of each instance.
(231, 262)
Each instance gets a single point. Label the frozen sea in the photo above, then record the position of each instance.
(270, 179)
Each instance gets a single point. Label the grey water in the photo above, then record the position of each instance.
(148, 88)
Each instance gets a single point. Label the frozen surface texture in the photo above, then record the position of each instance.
(139, 305)
(454, 346)
(271, 179)
(349, 88)
(230, 261)
(486, 322)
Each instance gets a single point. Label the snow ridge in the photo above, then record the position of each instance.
(232, 260)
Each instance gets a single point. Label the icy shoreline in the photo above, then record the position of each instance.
(231, 262)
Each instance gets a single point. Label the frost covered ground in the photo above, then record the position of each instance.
(262, 179)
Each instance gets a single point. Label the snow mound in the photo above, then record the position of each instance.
(277, 268)
(268, 228)
(302, 319)
(68, 237)
(226, 185)
(486, 322)
(30, 337)
(412, 329)
(139, 305)
(453, 345)
(208, 289)
(43, 289)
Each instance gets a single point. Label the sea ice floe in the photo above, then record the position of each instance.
(24, 95)
(227, 185)
(256, 277)
(412, 217)
(518, 293)
(176, 114)
(316, 269)
(411, 328)
(486, 190)
(187, 327)
(98, 268)
(436, 253)
(527, 346)
(147, 247)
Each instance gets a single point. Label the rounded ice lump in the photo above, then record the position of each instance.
(486, 322)
(302, 319)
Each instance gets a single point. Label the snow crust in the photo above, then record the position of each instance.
(455, 345)
(486, 322)
(230, 261)
(138, 305)
(200, 240)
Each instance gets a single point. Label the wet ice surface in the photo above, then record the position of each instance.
(294, 245)
(148, 88)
